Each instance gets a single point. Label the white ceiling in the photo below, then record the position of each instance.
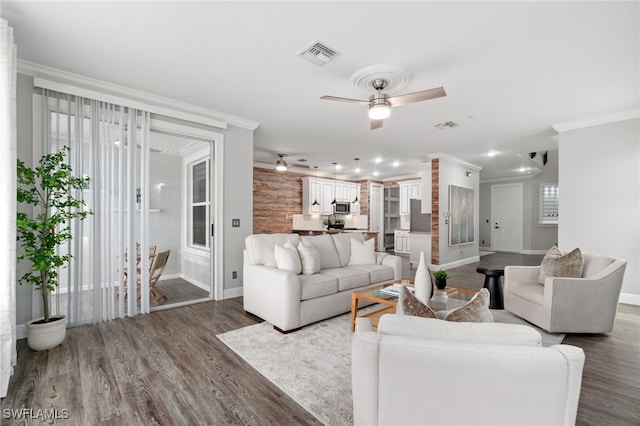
(510, 70)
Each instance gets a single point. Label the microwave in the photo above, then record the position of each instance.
(342, 208)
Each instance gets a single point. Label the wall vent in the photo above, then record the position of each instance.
(446, 125)
(318, 53)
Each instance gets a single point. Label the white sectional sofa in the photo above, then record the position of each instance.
(289, 300)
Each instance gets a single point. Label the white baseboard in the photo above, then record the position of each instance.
(629, 299)
(534, 251)
(232, 293)
(455, 264)
(21, 331)
(198, 284)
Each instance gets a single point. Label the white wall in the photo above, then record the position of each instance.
(238, 203)
(453, 172)
(600, 195)
(164, 226)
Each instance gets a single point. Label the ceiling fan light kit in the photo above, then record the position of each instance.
(281, 165)
(379, 107)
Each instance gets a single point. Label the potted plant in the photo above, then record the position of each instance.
(441, 278)
(48, 188)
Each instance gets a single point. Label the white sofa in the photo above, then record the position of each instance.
(567, 305)
(422, 371)
(289, 300)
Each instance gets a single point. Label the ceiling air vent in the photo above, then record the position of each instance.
(446, 125)
(317, 53)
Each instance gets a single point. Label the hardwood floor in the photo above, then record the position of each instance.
(168, 367)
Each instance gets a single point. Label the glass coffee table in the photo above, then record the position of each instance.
(382, 295)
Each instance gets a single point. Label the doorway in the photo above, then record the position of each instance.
(506, 217)
(181, 195)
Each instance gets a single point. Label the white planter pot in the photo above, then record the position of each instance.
(48, 335)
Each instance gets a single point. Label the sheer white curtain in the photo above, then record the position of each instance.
(8, 203)
(109, 145)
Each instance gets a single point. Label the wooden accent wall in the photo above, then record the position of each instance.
(277, 197)
(435, 211)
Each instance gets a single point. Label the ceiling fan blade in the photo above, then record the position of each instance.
(353, 101)
(376, 124)
(422, 95)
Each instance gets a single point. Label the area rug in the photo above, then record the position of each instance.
(313, 364)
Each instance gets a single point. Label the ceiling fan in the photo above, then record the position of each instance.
(380, 104)
(282, 164)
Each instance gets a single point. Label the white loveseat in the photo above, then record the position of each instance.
(423, 371)
(289, 300)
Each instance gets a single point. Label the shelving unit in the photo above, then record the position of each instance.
(391, 215)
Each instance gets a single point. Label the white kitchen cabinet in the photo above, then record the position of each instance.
(402, 242)
(409, 190)
(426, 190)
(325, 190)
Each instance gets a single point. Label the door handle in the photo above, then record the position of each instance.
(497, 227)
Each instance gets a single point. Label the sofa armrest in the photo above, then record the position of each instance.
(575, 365)
(521, 274)
(273, 295)
(597, 299)
(395, 262)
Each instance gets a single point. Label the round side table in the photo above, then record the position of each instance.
(492, 283)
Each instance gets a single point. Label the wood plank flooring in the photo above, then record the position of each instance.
(169, 368)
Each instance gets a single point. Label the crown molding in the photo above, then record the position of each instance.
(161, 104)
(455, 160)
(596, 121)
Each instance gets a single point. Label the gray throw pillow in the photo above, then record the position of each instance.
(556, 264)
(408, 304)
(476, 310)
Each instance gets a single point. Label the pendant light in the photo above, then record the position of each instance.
(335, 166)
(315, 182)
(356, 201)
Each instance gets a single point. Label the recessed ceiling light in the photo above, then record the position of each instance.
(492, 153)
(522, 169)
(396, 164)
(357, 170)
(376, 173)
(378, 160)
(338, 167)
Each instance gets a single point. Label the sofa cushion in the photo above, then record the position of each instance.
(287, 258)
(408, 304)
(476, 310)
(555, 264)
(342, 243)
(317, 285)
(377, 273)
(328, 254)
(528, 290)
(362, 253)
(348, 277)
(309, 258)
(260, 247)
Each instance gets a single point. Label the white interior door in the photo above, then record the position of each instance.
(376, 213)
(506, 217)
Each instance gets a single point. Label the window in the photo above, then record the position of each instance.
(199, 204)
(548, 204)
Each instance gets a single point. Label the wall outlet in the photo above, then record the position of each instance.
(235, 223)
(234, 274)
